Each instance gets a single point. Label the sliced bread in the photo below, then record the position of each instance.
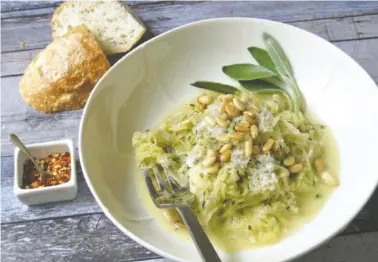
(111, 22)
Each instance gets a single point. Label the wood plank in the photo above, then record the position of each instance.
(80, 238)
(336, 29)
(161, 16)
(95, 238)
(341, 29)
(13, 6)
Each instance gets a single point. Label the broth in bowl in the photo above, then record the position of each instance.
(257, 170)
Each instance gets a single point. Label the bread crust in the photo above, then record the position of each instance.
(62, 75)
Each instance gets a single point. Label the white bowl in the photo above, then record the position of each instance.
(66, 191)
(155, 77)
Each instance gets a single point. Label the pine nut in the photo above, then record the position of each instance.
(225, 156)
(201, 107)
(242, 127)
(221, 122)
(211, 153)
(179, 224)
(254, 131)
(253, 108)
(248, 148)
(222, 108)
(244, 98)
(173, 217)
(268, 145)
(319, 165)
(238, 103)
(223, 138)
(256, 150)
(209, 161)
(236, 136)
(213, 169)
(232, 111)
(225, 148)
(209, 120)
(249, 119)
(276, 146)
(329, 179)
(227, 97)
(289, 161)
(205, 99)
(245, 123)
(252, 114)
(224, 116)
(295, 168)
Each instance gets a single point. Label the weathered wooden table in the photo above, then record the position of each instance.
(78, 230)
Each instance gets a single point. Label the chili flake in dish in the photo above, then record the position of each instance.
(57, 165)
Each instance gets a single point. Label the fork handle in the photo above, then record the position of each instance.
(199, 236)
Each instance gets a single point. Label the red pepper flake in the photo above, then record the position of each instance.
(57, 165)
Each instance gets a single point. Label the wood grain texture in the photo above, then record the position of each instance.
(13, 6)
(77, 230)
(80, 238)
(95, 238)
(161, 16)
(335, 29)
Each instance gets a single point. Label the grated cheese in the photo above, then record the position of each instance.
(262, 176)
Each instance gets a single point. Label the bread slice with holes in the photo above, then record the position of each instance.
(111, 22)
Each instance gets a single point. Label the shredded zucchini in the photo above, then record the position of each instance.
(254, 192)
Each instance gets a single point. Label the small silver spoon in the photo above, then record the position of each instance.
(17, 142)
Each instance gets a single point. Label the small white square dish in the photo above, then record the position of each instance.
(61, 192)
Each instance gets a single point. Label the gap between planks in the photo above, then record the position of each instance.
(162, 16)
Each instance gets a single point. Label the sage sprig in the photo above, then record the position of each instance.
(273, 74)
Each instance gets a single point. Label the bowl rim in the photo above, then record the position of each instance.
(140, 241)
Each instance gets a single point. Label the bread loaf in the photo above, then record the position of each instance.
(111, 22)
(62, 75)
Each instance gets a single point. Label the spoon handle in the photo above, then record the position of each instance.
(17, 142)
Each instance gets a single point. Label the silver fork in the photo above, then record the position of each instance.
(167, 193)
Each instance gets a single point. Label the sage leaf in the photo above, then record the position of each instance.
(285, 69)
(217, 87)
(247, 72)
(278, 56)
(262, 57)
(258, 85)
